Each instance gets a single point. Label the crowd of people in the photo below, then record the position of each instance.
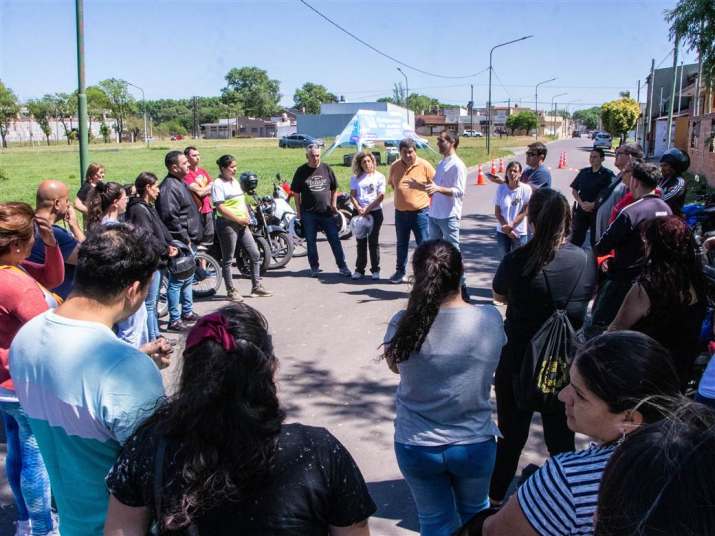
(91, 430)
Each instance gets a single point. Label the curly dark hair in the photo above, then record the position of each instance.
(438, 270)
(672, 268)
(225, 419)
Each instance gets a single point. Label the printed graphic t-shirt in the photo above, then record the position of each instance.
(315, 186)
(84, 392)
(368, 186)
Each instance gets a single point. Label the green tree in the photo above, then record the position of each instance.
(250, 91)
(105, 131)
(588, 117)
(619, 116)
(387, 99)
(524, 120)
(120, 101)
(421, 104)
(311, 96)
(97, 105)
(9, 108)
(694, 22)
(42, 110)
(64, 107)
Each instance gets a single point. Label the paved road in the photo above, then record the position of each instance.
(327, 333)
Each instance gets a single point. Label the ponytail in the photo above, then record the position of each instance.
(438, 270)
(551, 215)
(100, 198)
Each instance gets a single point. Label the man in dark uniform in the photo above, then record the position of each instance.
(585, 188)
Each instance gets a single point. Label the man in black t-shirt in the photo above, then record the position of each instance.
(316, 191)
(585, 188)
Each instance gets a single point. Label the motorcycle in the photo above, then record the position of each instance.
(279, 211)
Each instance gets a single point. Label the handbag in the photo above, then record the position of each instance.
(183, 265)
(545, 366)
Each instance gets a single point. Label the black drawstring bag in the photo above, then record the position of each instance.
(545, 366)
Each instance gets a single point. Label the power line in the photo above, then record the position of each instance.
(501, 83)
(392, 58)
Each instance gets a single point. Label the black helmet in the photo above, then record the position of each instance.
(676, 158)
(249, 182)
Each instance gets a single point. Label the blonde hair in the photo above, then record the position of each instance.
(357, 161)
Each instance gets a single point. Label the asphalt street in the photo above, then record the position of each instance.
(327, 333)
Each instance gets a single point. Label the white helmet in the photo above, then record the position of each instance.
(361, 226)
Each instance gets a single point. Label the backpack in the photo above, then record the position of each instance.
(545, 367)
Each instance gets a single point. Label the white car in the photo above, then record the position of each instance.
(472, 134)
(602, 140)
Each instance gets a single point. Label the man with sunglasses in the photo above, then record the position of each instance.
(537, 174)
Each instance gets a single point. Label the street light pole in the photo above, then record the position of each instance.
(489, 100)
(553, 114)
(146, 139)
(536, 102)
(407, 94)
(81, 93)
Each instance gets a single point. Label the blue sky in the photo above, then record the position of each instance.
(179, 48)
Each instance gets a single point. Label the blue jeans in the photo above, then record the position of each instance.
(180, 289)
(447, 228)
(26, 471)
(450, 483)
(406, 221)
(507, 244)
(152, 297)
(312, 223)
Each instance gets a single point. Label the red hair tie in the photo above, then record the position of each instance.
(211, 327)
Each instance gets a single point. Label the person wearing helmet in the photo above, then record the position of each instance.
(232, 224)
(673, 188)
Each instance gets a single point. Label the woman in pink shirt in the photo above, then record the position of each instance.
(24, 295)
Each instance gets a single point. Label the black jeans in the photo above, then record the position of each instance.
(373, 241)
(514, 424)
(581, 223)
(230, 235)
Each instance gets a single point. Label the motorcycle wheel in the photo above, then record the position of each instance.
(243, 262)
(207, 284)
(345, 232)
(162, 305)
(281, 250)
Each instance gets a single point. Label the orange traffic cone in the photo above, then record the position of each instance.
(493, 169)
(501, 165)
(561, 161)
(564, 158)
(480, 177)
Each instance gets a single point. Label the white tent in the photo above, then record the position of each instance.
(368, 126)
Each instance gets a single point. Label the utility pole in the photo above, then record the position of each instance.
(680, 91)
(407, 94)
(81, 93)
(471, 110)
(673, 88)
(638, 99)
(146, 138)
(536, 103)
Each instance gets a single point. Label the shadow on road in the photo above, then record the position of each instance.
(394, 501)
(378, 294)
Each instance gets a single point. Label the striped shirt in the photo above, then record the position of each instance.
(561, 497)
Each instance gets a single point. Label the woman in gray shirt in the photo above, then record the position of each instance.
(445, 351)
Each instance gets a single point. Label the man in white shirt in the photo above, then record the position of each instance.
(447, 191)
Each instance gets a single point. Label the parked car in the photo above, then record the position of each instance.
(602, 140)
(576, 134)
(299, 140)
(472, 134)
(177, 137)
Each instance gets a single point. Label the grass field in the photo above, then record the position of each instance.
(21, 168)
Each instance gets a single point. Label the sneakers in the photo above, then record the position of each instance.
(234, 296)
(345, 271)
(260, 292)
(398, 277)
(357, 275)
(191, 317)
(177, 325)
(375, 276)
(315, 272)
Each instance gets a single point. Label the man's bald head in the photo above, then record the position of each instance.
(52, 193)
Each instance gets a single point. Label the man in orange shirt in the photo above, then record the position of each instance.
(409, 176)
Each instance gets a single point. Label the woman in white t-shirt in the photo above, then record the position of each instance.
(367, 190)
(510, 206)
